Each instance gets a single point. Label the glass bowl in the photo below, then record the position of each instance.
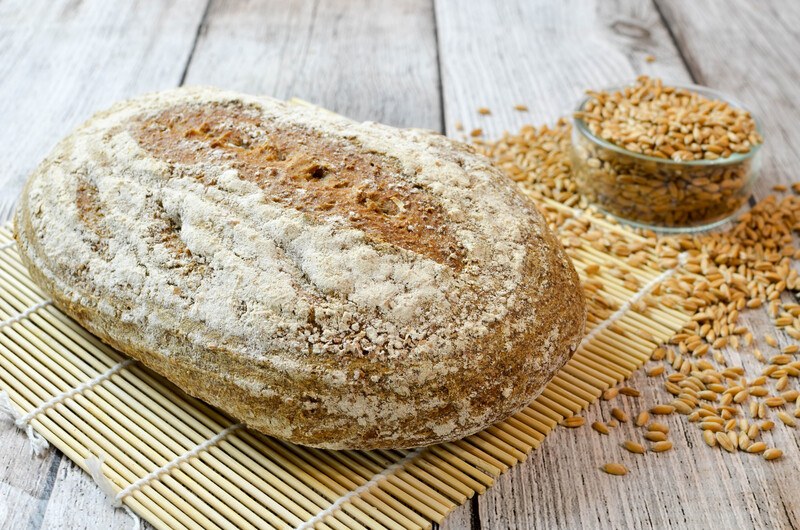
(662, 194)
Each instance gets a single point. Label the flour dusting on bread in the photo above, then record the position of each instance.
(329, 282)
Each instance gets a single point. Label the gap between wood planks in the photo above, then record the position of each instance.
(194, 42)
(443, 118)
(37, 517)
(676, 44)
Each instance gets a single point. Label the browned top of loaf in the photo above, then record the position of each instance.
(329, 282)
(302, 169)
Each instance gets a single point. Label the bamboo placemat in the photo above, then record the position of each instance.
(179, 463)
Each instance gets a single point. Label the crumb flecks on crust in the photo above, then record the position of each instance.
(301, 322)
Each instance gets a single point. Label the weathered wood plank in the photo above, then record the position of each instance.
(460, 519)
(75, 504)
(368, 60)
(750, 51)
(62, 61)
(26, 482)
(544, 54)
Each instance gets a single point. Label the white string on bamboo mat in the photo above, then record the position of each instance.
(309, 525)
(169, 466)
(22, 421)
(26, 313)
(7, 245)
(94, 465)
(641, 293)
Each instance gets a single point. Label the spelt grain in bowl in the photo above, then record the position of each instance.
(664, 157)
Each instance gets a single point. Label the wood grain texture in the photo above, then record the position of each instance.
(62, 61)
(26, 483)
(76, 505)
(460, 519)
(749, 50)
(365, 59)
(546, 58)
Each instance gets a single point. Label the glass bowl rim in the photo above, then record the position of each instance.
(735, 158)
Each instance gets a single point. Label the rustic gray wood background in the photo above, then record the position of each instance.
(423, 63)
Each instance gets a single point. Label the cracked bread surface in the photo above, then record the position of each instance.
(331, 283)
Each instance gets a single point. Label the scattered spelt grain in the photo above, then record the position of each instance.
(662, 409)
(724, 442)
(610, 394)
(633, 447)
(600, 427)
(709, 438)
(628, 391)
(619, 414)
(660, 447)
(614, 469)
(786, 418)
(655, 436)
(573, 421)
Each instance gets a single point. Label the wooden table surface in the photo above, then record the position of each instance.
(431, 64)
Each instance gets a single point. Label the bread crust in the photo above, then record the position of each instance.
(212, 248)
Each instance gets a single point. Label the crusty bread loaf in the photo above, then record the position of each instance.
(327, 282)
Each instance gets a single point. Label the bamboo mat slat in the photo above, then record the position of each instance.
(195, 468)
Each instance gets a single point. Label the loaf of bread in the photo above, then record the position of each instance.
(331, 283)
